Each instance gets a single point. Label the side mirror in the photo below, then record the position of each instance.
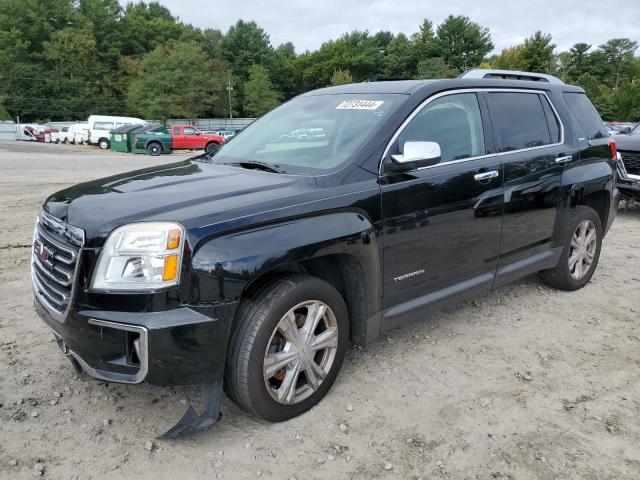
(417, 155)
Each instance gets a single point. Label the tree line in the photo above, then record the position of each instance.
(67, 59)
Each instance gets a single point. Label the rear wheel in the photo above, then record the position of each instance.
(582, 239)
(212, 148)
(287, 348)
(154, 149)
(103, 143)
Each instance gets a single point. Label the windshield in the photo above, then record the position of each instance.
(636, 130)
(311, 135)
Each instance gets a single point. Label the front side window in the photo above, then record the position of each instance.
(519, 120)
(453, 121)
(189, 131)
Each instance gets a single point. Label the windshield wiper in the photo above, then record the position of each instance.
(256, 165)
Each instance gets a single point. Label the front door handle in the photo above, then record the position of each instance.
(479, 177)
(564, 159)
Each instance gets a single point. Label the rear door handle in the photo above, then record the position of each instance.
(565, 159)
(479, 177)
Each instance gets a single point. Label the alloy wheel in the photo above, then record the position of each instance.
(582, 249)
(300, 352)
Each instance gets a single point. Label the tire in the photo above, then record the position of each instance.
(212, 147)
(256, 335)
(103, 144)
(563, 276)
(154, 149)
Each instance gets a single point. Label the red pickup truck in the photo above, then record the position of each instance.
(176, 137)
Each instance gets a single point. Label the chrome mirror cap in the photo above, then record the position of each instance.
(418, 152)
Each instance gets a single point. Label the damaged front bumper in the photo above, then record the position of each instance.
(177, 347)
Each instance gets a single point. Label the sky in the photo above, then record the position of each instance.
(310, 23)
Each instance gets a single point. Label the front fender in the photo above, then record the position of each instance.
(224, 266)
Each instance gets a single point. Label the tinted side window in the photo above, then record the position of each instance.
(103, 126)
(586, 115)
(519, 120)
(454, 122)
(552, 120)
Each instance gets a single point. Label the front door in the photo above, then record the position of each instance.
(442, 223)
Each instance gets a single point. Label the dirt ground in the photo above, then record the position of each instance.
(524, 383)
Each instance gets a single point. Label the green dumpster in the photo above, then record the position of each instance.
(131, 135)
(120, 139)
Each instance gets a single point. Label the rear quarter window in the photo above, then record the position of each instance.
(586, 115)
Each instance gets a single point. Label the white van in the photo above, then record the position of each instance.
(79, 133)
(101, 125)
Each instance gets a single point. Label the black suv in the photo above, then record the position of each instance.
(628, 145)
(343, 213)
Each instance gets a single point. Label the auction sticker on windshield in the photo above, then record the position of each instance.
(360, 105)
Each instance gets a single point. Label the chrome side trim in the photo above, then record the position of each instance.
(419, 108)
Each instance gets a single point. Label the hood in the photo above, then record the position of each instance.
(627, 142)
(184, 192)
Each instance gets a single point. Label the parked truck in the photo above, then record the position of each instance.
(176, 137)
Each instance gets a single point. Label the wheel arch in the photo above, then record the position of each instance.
(340, 248)
(591, 185)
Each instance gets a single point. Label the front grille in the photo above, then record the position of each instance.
(631, 162)
(54, 262)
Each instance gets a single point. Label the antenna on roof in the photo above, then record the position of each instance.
(510, 75)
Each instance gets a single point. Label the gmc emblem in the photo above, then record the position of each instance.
(42, 253)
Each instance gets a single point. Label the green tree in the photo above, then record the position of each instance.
(615, 60)
(146, 26)
(508, 59)
(341, 77)
(536, 55)
(423, 43)
(399, 58)
(260, 97)
(461, 43)
(245, 45)
(178, 80)
(283, 70)
(356, 51)
(432, 68)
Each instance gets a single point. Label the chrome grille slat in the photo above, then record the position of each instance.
(60, 246)
(50, 291)
(54, 263)
(631, 162)
(43, 271)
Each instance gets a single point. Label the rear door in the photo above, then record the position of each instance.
(531, 141)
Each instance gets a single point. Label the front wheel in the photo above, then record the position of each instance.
(582, 239)
(103, 144)
(287, 348)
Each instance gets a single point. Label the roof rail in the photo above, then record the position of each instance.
(509, 75)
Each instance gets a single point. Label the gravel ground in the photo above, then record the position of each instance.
(523, 383)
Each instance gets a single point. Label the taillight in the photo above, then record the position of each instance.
(614, 149)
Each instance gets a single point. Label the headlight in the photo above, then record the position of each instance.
(140, 256)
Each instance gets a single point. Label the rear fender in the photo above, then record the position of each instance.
(582, 181)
